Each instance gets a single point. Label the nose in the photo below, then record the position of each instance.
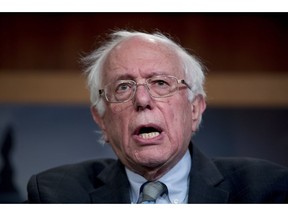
(142, 98)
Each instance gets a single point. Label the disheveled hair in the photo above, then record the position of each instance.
(192, 67)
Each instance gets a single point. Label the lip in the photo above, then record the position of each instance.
(153, 141)
(138, 128)
(150, 141)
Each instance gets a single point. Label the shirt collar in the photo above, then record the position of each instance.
(176, 180)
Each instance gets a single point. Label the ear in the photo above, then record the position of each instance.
(198, 106)
(98, 119)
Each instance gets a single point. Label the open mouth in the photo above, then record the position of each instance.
(148, 132)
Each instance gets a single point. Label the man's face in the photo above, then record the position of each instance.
(149, 135)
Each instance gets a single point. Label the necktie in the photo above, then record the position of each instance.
(150, 191)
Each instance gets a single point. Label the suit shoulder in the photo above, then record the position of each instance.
(67, 183)
(234, 165)
(254, 180)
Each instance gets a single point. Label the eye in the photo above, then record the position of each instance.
(123, 87)
(160, 83)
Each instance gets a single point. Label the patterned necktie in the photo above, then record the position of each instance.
(150, 191)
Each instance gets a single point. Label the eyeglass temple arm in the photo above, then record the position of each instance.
(185, 83)
(101, 91)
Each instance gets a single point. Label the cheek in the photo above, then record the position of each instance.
(116, 125)
(178, 120)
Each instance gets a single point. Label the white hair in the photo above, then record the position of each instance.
(192, 67)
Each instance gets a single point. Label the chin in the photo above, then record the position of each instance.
(152, 162)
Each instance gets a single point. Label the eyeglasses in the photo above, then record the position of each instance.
(159, 86)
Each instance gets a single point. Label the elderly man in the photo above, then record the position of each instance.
(147, 97)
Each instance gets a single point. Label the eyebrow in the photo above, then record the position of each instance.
(131, 77)
(123, 77)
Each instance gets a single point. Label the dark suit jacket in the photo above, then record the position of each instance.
(221, 180)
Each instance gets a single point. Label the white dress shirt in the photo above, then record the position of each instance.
(176, 180)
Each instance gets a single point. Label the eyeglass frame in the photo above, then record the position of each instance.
(179, 81)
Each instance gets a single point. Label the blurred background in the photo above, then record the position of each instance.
(44, 103)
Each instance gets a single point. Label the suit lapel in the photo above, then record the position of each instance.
(115, 187)
(204, 179)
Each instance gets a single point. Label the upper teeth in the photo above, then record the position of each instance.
(149, 135)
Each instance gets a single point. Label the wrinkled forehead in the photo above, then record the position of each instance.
(142, 53)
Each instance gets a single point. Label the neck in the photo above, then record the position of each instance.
(156, 172)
